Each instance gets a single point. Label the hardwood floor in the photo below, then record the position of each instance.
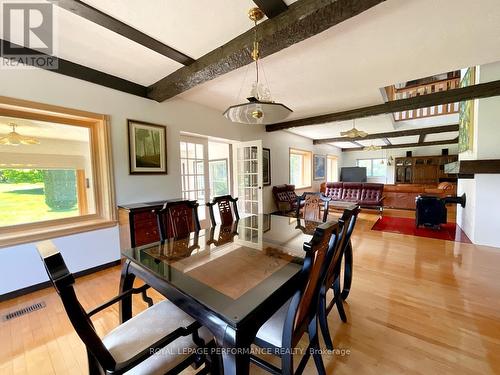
(417, 306)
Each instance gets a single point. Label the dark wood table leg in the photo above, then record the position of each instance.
(235, 347)
(126, 283)
(346, 287)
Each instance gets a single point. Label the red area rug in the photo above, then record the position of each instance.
(403, 225)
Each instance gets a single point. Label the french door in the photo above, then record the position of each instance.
(247, 164)
(194, 173)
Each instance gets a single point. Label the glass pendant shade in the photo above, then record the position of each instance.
(16, 139)
(257, 112)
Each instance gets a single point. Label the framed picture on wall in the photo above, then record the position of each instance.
(466, 115)
(319, 166)
(266, 166)
(147, 148)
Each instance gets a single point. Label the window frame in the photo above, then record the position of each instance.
(306, 167)
(330, 158)
(371, 162)
(105, 215)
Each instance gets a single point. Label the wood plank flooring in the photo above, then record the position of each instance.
(417, 306)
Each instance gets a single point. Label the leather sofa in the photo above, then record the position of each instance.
(367, 195)
(285, 197)
(403, 196)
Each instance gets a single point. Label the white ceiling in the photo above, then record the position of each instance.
(441, 136)
(404, 140)
(45, 130)
(341, 68)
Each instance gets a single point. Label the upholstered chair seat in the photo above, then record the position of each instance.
(272, 330)
(146, 328)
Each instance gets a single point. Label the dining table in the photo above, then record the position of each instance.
(231, 278)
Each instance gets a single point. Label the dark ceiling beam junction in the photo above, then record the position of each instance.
(482, 90)
(74, 70)
(302, 20)
(92, 14)
(271, 8)
(386, 141)
(421, 139)
(407, 145)
(396, 134)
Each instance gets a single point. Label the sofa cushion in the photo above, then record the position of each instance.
(333, 190)
(371, 193)
(351, 191)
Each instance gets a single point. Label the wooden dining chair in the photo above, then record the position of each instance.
(159, 340)
(312, 206)
(332, 281)
(282, 332)
(177, 219)
(228, 210)
(226, 234)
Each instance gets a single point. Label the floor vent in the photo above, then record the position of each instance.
(24, 311)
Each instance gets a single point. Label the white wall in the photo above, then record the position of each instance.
(349, 158)
(20, 266)
(477, 218)
(103, 246)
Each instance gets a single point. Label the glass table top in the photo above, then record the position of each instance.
(231, 269)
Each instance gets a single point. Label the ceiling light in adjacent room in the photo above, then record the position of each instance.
(354, 133)
(16, 139)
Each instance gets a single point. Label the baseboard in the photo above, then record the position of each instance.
(46, 284)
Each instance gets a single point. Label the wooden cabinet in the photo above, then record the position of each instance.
(137, 223)
(422, 169)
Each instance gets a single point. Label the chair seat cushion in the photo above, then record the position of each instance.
(271, 331)
(145, 329)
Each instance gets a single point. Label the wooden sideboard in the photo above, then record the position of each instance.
(137, 223)
(423, 169)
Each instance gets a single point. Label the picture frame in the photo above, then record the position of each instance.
(147, 144)
(266, 166)
(466, 115)
(319, 167)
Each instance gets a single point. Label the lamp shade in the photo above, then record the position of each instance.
(257, 112)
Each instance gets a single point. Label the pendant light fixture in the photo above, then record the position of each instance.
(372, 147)
(260, 109)
(16, 139)
(354, 133)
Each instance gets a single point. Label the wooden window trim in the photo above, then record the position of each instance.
(297, 151)
(102, 173)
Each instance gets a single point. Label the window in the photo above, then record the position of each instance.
(300, 168)
(55, 175)
(374, 167)
(193, 172)
(332, 171)
(218, 175)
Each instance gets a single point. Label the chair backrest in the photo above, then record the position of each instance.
(177, 219)
(313, 203)
(228, 209)
(304, 305)
(346, 226)
(63, 281)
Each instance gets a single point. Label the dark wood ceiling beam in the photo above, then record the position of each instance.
(407, 145)
(421, 139)
(482, 90)
(302, 20)
(92, 14)
(386, 141)
(271, 8)
(74, 70)
(396, 134)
